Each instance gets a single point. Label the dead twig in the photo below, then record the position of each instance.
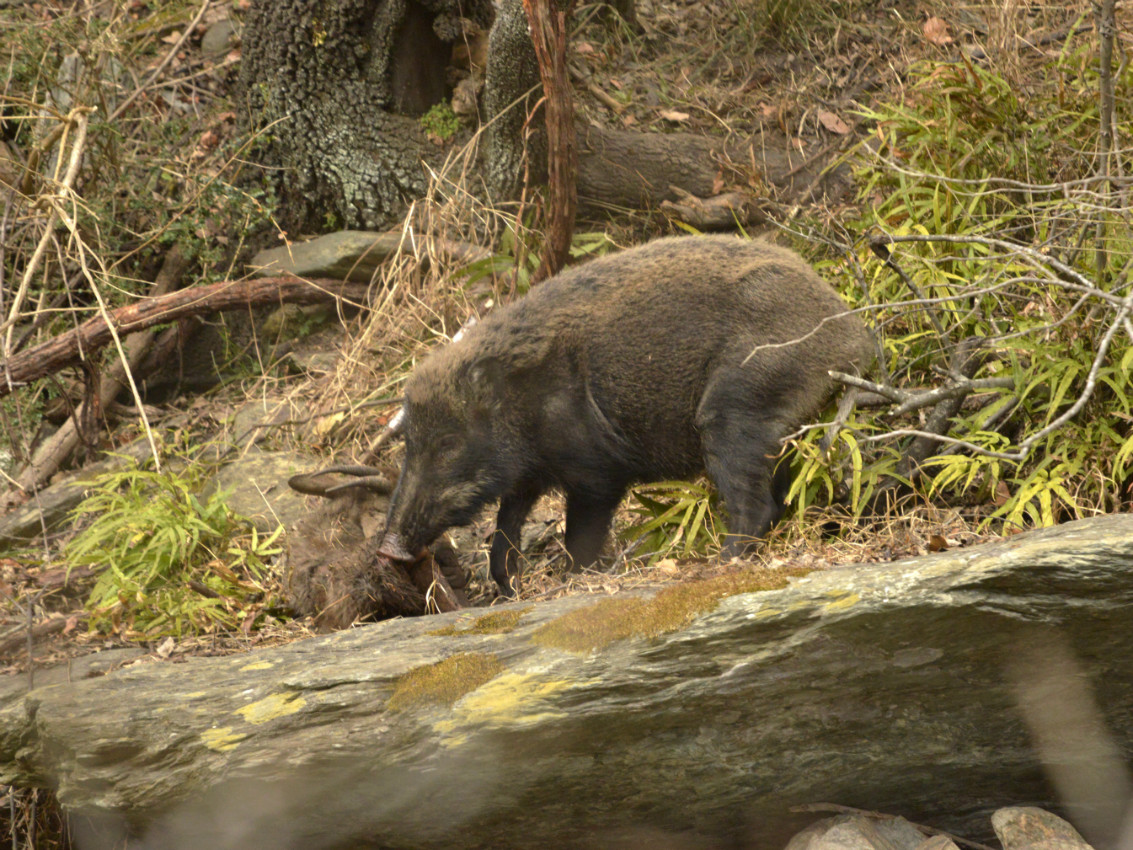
(59, 447)
(160, 69)
(909, 402)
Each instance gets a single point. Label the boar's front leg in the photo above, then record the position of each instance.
(588, 519)
(741, 442)
(503, 560)
(744, 479)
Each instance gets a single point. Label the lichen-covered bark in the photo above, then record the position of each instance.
(331, 78)
(511, 90)
(340, 85)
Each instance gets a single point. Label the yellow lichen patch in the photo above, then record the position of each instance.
(847, 601)
(767, 613)
(496, 623)
(510, 699)
(258, 665)
(222, 739)
(446, 681)
(271, 707)
(672, 608)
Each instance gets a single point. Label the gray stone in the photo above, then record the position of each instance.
(938, 842)
(858, 832)
(878, 687)
(345, 255)
(220, 38)
(314, 362)
(259, 418)
(257, 485)
(51, 508)
(1030, 828)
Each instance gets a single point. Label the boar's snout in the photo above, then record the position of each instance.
(410, 524)
(393, 547)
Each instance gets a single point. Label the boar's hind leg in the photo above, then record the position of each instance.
(740, 454)
(503, 560)
(587, 523)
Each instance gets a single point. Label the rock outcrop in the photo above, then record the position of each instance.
(934, 688)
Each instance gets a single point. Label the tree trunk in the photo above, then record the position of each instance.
(342, 84)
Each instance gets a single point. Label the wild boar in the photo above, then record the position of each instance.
(682, 355)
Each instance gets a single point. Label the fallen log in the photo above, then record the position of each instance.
(926, 687)
(58, 448)
(72, 347)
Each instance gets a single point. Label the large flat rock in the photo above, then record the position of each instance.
(905, 687)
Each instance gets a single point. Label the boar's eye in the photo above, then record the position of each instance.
(448, 444)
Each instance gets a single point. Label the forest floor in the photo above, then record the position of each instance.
(795, 70)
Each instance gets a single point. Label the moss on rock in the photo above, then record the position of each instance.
(444, 682)
(671, 608)
(496, 623)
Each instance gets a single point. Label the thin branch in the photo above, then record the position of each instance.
(547, 21)
(1107, 28)
(940, 438)
(124, 105)
(957, 389)
(1039, 259)
(909, 401)
(1091, 382)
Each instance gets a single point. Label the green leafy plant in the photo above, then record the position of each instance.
(168, 561)
(677, 519)
(520, 249)
(440, 121)
(968, 179)
(819, 477)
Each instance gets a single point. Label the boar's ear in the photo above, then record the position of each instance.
(485, 383)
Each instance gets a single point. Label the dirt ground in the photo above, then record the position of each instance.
(793, 71)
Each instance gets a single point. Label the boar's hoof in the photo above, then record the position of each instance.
(446, 558)
(506, 589)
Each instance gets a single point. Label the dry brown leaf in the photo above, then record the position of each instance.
(1002, 494)
(832, 122)
(936, 31)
